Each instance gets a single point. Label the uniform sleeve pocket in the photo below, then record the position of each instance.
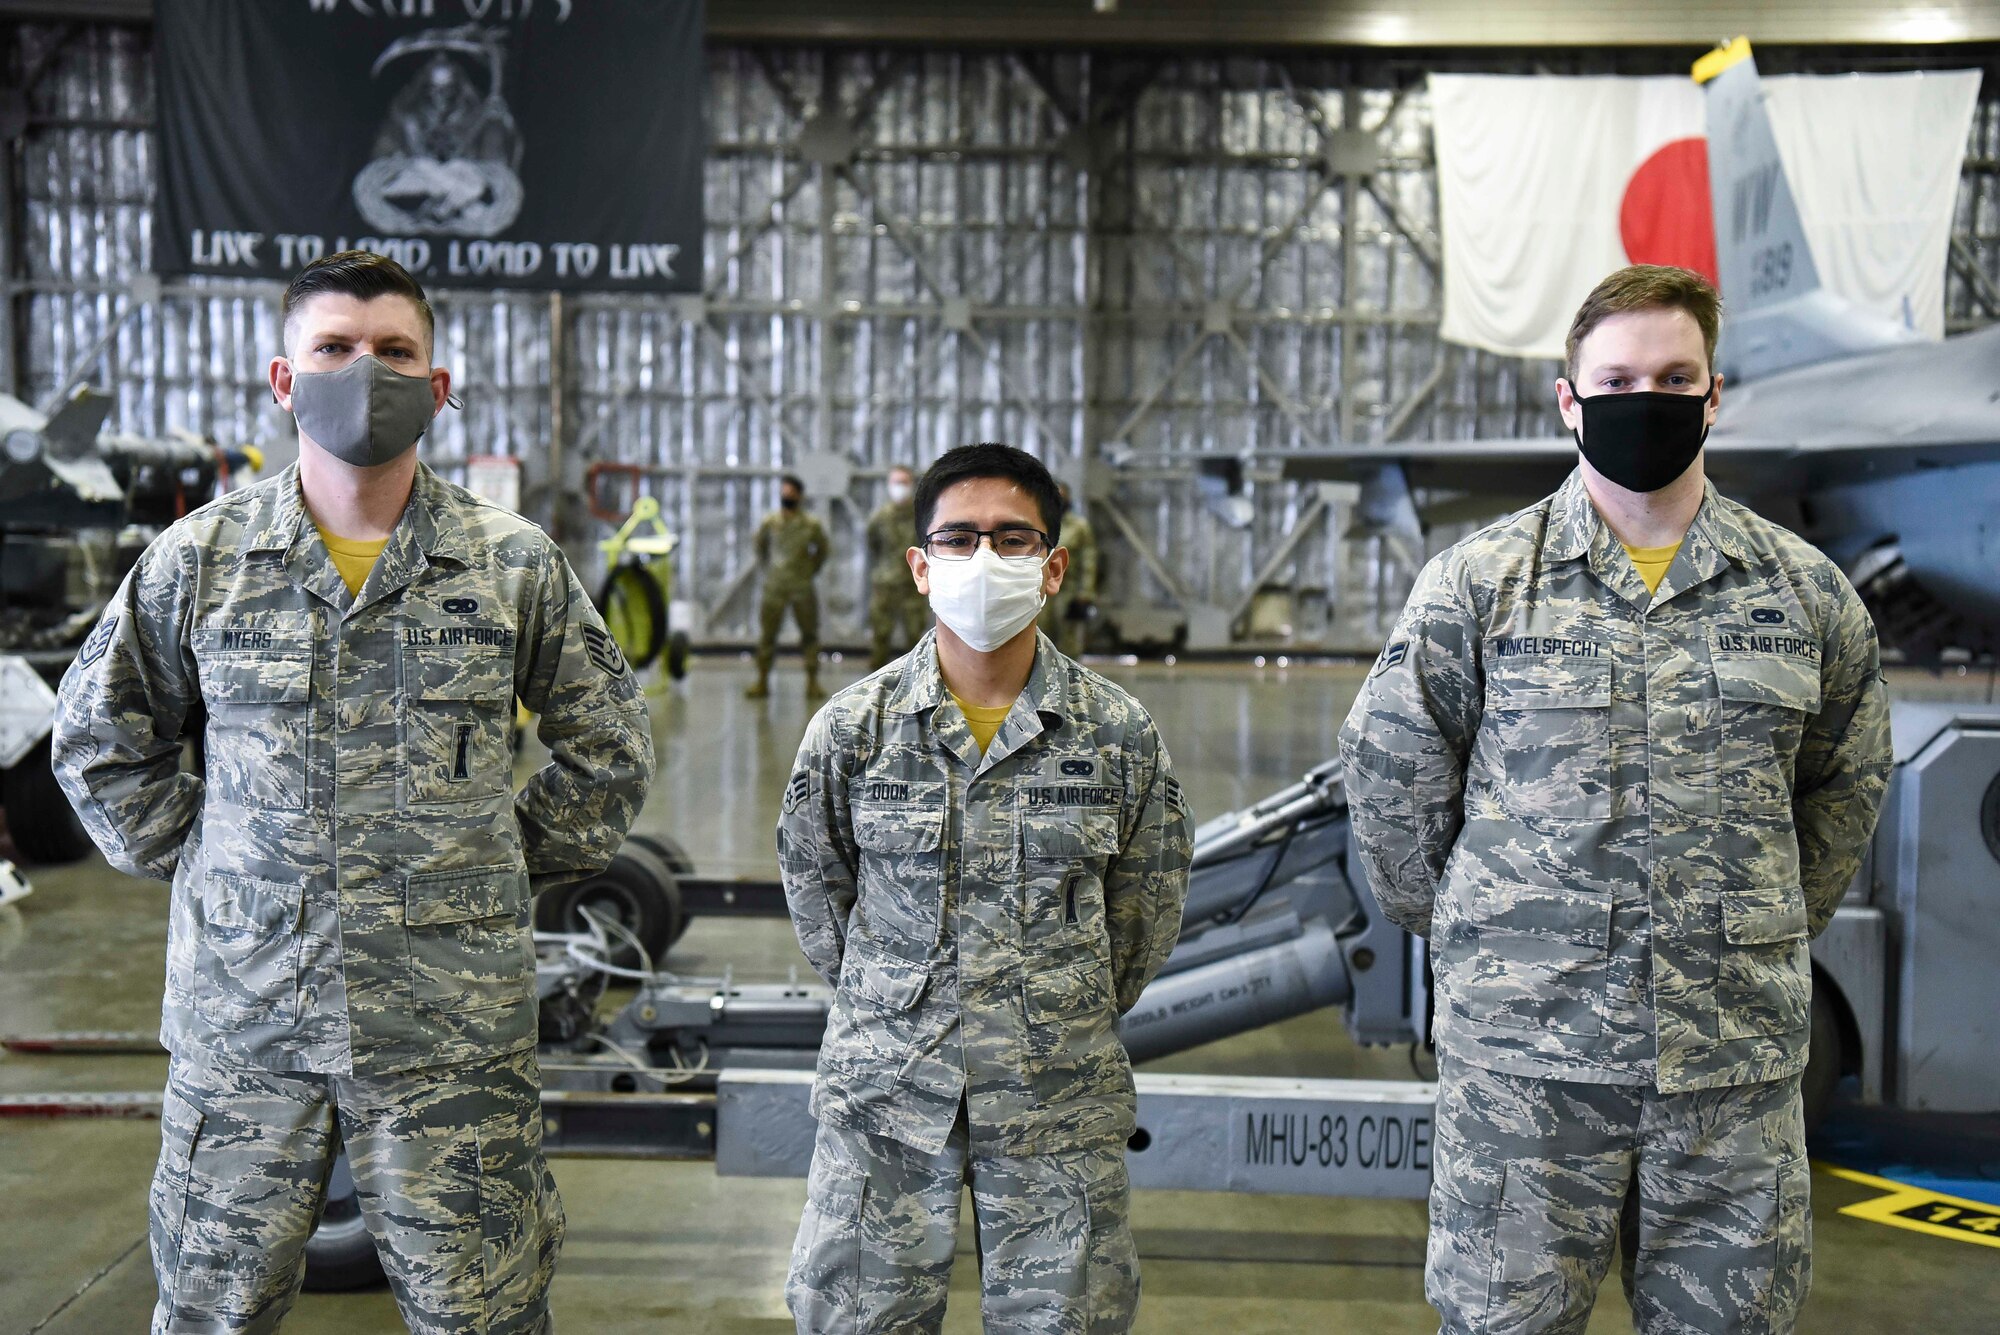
(882, 979)
(1763, 915)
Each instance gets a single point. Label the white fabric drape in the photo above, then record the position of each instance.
(1532, 172)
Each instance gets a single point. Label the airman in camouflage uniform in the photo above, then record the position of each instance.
(985, 914)
(1619, 816)
(791, 546)
(1064, 620)
(897, 613)
(349, 955)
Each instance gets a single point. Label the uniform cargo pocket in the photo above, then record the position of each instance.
(167, 1202)
(1538, 958)
(1762, 704)
(825, 1285)
(259, 726)
(1791, 1260)
(1066, 853)
(901, 878)
(881, 979)
(1462, 1255)
(457, 707)
(1551, 720)
(1072, 1040)
(469, 944)
(1764, 976)
(250, 943)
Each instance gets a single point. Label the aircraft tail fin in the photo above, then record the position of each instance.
(72, 431)
(1779, 314)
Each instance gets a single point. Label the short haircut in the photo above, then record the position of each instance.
(990, 460)
(792, 480)
(1640, 287)
(361, 274)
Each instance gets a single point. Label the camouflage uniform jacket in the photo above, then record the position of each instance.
(791, 547)
(352, 872)
(1620, 817)
(1081, 538)
(892, 531)
(985, 920)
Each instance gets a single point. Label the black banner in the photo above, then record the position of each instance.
(491, 143)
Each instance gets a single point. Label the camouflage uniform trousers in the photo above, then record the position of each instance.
(1704, 1193)
(803, 602)
(447, 1163)
(898, 616)
(875, 1246)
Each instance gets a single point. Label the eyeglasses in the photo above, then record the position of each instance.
(1012, 543)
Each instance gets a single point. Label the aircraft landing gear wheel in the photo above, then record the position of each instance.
(677, 654)
(677, 860)
(340, 1255)
(637, 891)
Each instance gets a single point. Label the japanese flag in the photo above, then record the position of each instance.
(1545, 185)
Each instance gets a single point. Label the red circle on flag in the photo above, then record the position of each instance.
(1665, 216)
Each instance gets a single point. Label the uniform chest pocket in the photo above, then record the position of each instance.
(470, 948)
(1762, 703)
(1550, 721)
(1066, 852)
(250, 940)
(457, 706)
(259, 738)
(901, 893)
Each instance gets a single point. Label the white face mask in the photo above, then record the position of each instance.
(986, 601)
(899, 492)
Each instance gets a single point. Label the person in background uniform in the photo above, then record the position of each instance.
(791, 547)
(986, 855)
(1066, 619)
(349, 959)
(1619, 762)
(897, 614)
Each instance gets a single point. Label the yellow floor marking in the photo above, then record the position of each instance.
(1922, 1210)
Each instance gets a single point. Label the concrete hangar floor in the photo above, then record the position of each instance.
(669, 1246)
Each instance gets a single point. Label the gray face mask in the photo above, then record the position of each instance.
(365, 413)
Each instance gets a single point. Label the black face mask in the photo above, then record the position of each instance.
(789, 502)
(1642, 442)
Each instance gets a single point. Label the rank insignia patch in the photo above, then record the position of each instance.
(603, 651)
